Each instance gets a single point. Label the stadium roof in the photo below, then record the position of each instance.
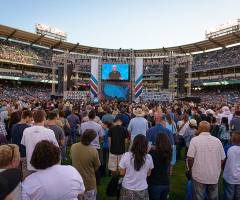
(32, 38)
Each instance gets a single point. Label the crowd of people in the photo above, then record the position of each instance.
(219, 79)
(19, 52)
(25, 75)
(137, 144)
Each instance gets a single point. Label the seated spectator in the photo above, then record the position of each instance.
(53, 181)
(10, 158)
(136, 165)
(158, 181)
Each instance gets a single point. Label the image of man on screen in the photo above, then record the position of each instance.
(114, 75)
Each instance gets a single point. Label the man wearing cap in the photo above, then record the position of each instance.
(138, 125)
(224, 112)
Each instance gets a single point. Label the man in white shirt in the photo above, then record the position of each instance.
(205, 157)
(224, 112)
(34, 134)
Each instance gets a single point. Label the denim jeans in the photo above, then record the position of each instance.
(158, 192)
(230, 191)
(224, 142)
(74, 135)
(105, 156)
(179, 148)
(64, 149)
(198, 189)
(97, 174)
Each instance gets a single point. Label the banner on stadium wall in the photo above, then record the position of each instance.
(138, 77)
(156, 97)
(94, 77)
(76, 95)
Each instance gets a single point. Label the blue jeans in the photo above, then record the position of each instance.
(64, 149)
(230, 191)
(105, 156)
(74, 135)
(158, 192)
(224, 142)
(198, 189)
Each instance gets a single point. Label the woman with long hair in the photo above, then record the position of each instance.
(170, 124)
(136, 165)
(181, 127)
(223, 133)
(158, 181)
(14, 119)
(106, 126)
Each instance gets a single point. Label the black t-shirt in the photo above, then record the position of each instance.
(214, 130)
(114, 75)
(159, 174)
(101, 114)
(118, 135)
(67, 113)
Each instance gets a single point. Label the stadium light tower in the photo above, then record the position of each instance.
(223, 29)
(52, 32)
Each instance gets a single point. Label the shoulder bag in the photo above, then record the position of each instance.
(66, 129)
(175, 135)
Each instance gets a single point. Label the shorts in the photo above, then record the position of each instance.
(90, 195)
(114, 161)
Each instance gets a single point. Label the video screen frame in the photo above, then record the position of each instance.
(108, 69)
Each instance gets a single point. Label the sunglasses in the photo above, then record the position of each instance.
(12, 146)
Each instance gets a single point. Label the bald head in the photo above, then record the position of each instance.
(204, 126)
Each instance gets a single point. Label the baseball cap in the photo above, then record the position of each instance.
(9, 179)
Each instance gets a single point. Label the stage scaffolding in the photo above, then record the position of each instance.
(120, 56)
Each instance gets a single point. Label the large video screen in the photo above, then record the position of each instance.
(120, 90)
(115, 72)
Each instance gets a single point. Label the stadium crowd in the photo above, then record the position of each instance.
(23, 53)
(142, 142)
(25, 75)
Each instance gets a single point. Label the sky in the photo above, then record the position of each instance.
(137, 24)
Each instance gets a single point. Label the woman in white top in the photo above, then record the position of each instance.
(181, 127)
(136, 165)
(51, 181)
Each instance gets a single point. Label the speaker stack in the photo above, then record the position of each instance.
(181, 80)
(60, 77)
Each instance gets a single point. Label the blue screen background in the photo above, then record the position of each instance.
(122, 68)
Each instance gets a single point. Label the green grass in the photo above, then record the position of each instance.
(178, 181)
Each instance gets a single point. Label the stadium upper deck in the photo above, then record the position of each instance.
(32, 38)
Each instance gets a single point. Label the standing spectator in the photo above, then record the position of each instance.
(40, 133)
(78, 113)
(214, 127)
(223, 131)
(64, 122)
(190, 132)
(151, 134)
(205, 157)
(138, 125)
(235, 122)
(17, 133)
(117, 141)
(178, 116)
(136, 165)
(59, 134)
(101, 113)
(172, 127)
(86, 163)
(4, 106)
(108, 116)
(9, 159)
(73, 121)
(158, 181)
(67, 111)
(181, 127)
(231, 173)
(123, 117)
(106, 125)
(2, 129)
(53, 181)
(169, 111)
(100, 135)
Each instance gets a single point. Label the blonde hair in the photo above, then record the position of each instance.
(6, 154)
(115, 112)
(10, 112)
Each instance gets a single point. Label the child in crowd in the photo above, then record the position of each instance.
(188, 188)
(224, 132)
(106, 125)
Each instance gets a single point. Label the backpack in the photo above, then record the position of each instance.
(114, 186)
(150, 118)
(66, 129)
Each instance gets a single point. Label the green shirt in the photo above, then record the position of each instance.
(84, 159)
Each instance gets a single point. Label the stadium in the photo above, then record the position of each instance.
(158, 101)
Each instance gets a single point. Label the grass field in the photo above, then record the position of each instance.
(178, 181)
